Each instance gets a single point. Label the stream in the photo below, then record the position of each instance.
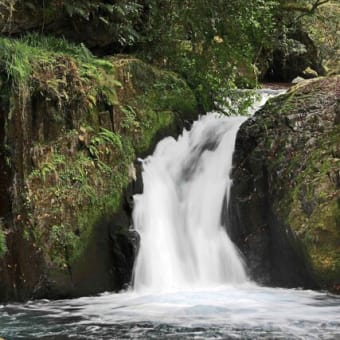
(226, 312)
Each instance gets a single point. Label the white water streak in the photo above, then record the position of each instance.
(178, 216)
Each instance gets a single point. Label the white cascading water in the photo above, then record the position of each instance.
(178, 216)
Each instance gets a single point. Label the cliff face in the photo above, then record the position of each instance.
(285, 204)
(71, 127)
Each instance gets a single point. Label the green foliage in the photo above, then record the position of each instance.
(215, 45)
(209, 42)
(130, 122)
(15, 61)
(161, 101)
(79, 185)
(102, 142)
(51, 166)
(117, 16)
(19, 56)
(57, 69)
(63, 243)
(3, 246)
(92, 177)
(171, 93)
(105, 136)
(323, 27)
(48, 45)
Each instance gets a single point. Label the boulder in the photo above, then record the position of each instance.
(294, 54)
(284, 206)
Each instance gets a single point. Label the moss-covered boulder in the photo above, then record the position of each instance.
(295, 53)
(71, 128)
(285, 201)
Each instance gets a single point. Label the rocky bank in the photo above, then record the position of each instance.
(285, 202)
(71, 127)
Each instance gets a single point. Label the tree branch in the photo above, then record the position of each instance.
(306, 9)
(294, 6)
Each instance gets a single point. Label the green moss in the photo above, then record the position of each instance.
(82, 187)
(313, 209)
(88, 218)
(104, 204)
(301, 142)
(99, 115)
(157, 90)
(170, 93)
(58, 70)
(155, 101)
(3, 246)
(326, 265)
(152, 123)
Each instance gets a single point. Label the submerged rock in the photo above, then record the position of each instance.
(285, 205)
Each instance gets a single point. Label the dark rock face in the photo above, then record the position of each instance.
(268, 245)
(293, 58)
(277, 208)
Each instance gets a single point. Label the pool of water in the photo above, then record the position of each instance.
(245, 312)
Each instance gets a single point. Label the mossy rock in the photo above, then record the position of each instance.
(3, 246)
(74, 126)
(287, 156)
(309, 173)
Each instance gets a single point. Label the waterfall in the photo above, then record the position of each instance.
(178, 216)
(189, 278)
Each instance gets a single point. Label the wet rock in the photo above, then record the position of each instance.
(284, 210)
(296, 55)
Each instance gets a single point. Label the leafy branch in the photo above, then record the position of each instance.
(306, 9)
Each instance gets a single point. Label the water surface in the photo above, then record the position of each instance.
(246, 312)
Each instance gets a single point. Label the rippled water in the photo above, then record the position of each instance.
(247, 312)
